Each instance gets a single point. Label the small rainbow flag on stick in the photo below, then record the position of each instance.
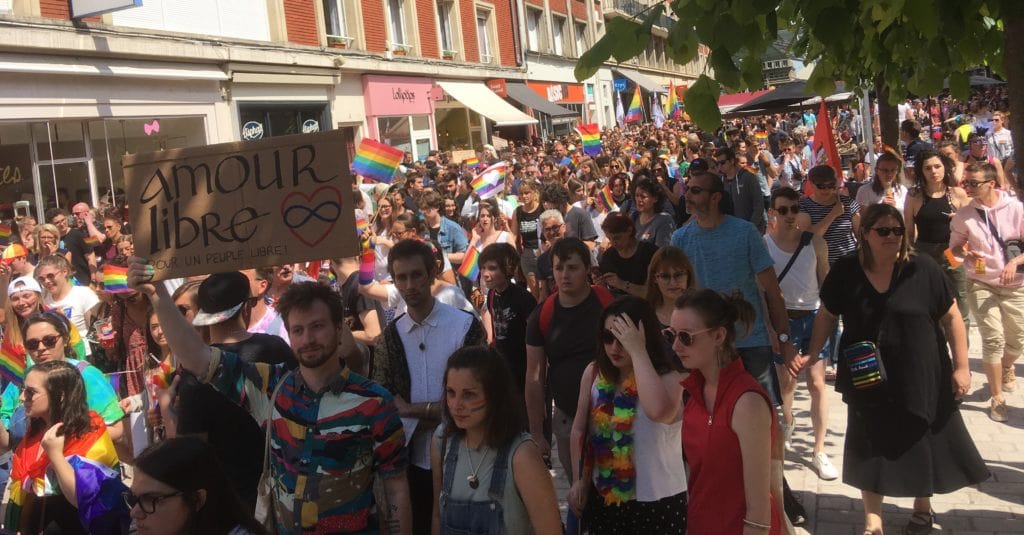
(605, 196)
(376, 161)
(761, 137)
(12, 363)
(91, 241)
(5, 234)
(115, 279)
(591, 136)
(471, 162)
(635, 113)
(470, 267)
(490, 182)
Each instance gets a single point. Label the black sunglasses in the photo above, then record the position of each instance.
(146, 502)
(785, 210)
(886, 231)
(827, 185)
(975, 183)
(49, 341)
(685, 338)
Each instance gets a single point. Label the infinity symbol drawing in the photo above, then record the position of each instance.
(310, 213)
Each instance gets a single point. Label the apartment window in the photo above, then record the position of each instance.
(558, 35)
(534, 29)
(444, 20)
(483, 32)
(396, 10)
(334, 19)
(581, 38)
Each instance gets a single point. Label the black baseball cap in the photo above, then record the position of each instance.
(221, 296)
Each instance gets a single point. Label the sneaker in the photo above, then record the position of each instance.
(830, 373)
(998, 412)
(794, 509)
(787, 434)
(824, 467)
(1009, 379)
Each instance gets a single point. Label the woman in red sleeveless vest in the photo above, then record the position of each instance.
(727, 420)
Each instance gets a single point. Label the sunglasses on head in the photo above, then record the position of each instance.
(685, 338)
(886, 231)
(786, 210)
(49, 341)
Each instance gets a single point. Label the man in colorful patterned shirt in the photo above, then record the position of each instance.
(333, 430)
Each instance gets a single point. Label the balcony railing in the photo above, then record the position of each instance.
(637, 10)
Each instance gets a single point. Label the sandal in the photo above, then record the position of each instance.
(920, 523)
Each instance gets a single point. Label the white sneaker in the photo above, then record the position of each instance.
(824, 467)
(787, 434)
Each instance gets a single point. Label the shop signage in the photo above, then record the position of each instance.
(15, 164)
(555, 93)
(620, 84)
(242, 205)
(310, 126)
(397, 95)
(252, 130)
(498, 86)
(88, 8)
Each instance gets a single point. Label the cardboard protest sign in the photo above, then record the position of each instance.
(241, 205)
(459, 156)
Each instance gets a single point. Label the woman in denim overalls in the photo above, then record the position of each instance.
(488, 473)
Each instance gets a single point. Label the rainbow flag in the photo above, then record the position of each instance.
(367, 263)
(5, 234)
(115, 279)
(761, 137)
(673, 107)
(470, 267)
(590, 134)
(12, 363)
(605, 196)
(635, 113)
(91, 241)
(376, 161)
(161, 377)
(490, 182)
(361, 226)
(471, 162)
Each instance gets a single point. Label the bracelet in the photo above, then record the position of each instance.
(427, 415)
(756, 525)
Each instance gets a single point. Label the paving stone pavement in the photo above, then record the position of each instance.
(995, 507)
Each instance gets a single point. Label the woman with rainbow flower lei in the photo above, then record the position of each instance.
(626, 436)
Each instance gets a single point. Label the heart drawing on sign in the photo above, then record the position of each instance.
(310, 218)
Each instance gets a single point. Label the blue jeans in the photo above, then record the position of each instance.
(759, 362)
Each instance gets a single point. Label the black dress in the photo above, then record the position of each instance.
(907, 439)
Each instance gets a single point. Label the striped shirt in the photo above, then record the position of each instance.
(839, 235)
(326, 447)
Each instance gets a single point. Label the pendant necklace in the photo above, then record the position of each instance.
(471, 478)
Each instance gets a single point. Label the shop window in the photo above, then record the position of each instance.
(59, 141)
(260, 121)
(535, 39)
(15, 163)
(581, 38)
(558, 35)
(484, 36)
(445, 18)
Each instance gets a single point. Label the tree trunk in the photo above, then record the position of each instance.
(1013, 61)
(888, 116)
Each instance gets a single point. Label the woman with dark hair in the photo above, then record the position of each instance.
(64, 472)
(179, 488)
(629, 476)
(727, 419)
(623, 266)
(886, 185)
(929, 209)
(652, 223)
(669, 275)
(905, 436)
(487, 471)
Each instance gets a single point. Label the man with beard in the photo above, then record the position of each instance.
(411, 357)
(332, 430)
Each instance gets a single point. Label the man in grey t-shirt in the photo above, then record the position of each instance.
(577, 223)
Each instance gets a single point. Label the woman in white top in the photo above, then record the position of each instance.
(886, 185)
(632, 478)
(488, 227)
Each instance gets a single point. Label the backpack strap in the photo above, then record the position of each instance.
(547, 309)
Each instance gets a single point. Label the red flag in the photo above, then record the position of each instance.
(824, 147)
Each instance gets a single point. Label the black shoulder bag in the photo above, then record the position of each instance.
(1011, 249)
(805, 240)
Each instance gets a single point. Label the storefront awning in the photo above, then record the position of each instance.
(642, 80)
(529, 98)
(479, 98)
(32, 64)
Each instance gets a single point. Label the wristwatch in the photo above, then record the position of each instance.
(784, 337)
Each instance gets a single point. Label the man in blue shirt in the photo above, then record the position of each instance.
(448, 233)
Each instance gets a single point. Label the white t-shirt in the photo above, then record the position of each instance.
(74, 306)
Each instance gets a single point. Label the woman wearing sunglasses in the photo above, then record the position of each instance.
(627, 465)
(905, 436)
(64, 472)
(180, 488)
(727, 419)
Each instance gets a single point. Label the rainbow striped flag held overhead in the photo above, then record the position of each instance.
(761, 137)
(490, 182)
(470, 267)
(91, 241)
(376, 161)
(605, 196)
(590, 134)
(471, 162)
(115, 279)
(5, 234)
(635, 113)
(12, 363)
